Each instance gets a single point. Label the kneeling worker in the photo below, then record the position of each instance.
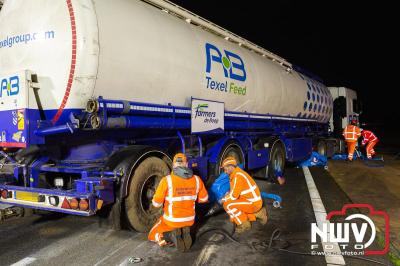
(178, 192)
(243, 202)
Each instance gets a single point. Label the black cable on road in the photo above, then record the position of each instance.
(221, 232)
(268, 245)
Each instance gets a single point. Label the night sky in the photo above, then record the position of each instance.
(346, 43)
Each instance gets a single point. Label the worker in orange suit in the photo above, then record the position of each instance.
(351, 134)
(370, 140)
(243, 202)
(178, 192)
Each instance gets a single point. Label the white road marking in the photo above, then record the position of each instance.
(207, 251)
(121, 246)
(58, 248)
(25, 261)
(320, 216)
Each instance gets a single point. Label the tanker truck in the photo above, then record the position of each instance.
(96, 97)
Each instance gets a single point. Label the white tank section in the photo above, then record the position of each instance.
(131, 50)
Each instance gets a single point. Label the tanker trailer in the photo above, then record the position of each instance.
(96, 97)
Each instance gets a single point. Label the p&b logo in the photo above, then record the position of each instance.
(232, 64)
(9, 87)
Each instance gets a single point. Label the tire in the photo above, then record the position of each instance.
(322, 148)
(276, 160)
(142, 186)
(231, 149)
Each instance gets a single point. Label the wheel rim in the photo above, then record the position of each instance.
(321, 149)
(147, 192)
(278, 162)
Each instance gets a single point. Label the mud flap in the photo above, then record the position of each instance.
(114, 217)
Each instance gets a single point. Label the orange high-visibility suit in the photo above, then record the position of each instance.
(351, 133)
(371, 139)
(178, 196)
(244, 198)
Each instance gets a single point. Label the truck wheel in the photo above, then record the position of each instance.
(231, 149)
(322, 148)
(142, 186)
(276, 160)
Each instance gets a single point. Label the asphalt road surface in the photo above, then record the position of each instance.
(55, 239)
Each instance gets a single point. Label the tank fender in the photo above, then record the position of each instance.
(214, 152)
(127, 159)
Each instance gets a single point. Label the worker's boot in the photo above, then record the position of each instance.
(182, 238)
(176, 238)
(187, 238)
(262, 216)
(243, 227)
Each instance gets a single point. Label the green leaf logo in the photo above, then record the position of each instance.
(201, 107)
(226, 62)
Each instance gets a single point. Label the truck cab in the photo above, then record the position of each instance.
(346, 107)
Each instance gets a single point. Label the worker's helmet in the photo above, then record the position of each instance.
(180, 158)
(229, 161)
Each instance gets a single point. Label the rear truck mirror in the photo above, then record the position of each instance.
(355, 106)
(340, 105)
(360, 106)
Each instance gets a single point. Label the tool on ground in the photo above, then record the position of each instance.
(135, 260)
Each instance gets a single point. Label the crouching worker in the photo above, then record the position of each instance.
(243, 202)
(370, 140)
(178, 193)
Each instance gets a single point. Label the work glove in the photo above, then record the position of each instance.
(225, 198)
(154, 210)
(281, 180)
